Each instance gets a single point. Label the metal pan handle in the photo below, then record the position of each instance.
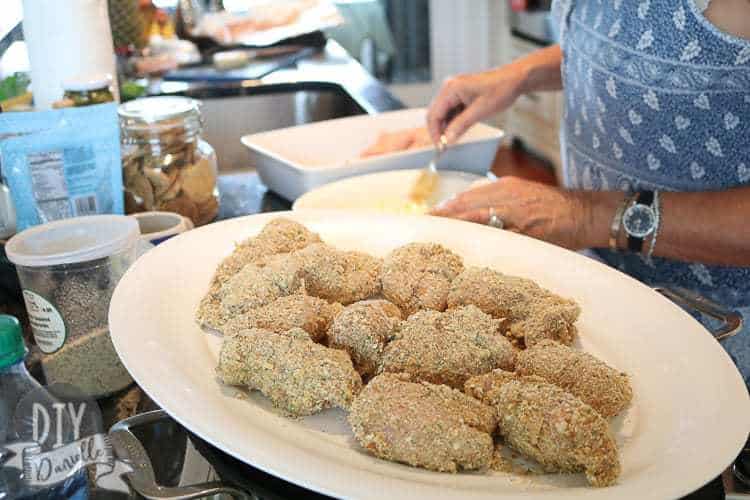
(142, 479)
(731, 320)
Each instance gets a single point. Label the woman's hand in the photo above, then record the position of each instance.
(480, 95)
(534, 209)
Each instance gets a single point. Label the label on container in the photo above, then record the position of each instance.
(46, 322)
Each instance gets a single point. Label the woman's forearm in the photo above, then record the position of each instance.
(542, 69)
(709, 227)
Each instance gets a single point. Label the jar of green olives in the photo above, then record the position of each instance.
(88, 90)
(166, 164)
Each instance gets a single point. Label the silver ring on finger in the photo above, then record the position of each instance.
(495, 220)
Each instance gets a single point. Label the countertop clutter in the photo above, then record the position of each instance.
(243, 194)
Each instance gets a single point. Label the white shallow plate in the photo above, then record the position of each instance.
(689, 419)
(386, 192)
(294, 160)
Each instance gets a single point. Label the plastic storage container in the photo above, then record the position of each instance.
(68, 271)
(167, 166)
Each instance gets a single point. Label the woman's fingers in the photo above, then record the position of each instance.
(448, 208)
(478, 215)
(466, 118)
(482, 216)
(483, 196)
(454, 206)
(453, 94)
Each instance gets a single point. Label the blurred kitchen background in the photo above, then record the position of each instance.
(409, 46)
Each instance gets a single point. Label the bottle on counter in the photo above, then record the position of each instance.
(167, 165)
(15, 384)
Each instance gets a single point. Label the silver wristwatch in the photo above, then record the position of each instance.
(640, 220)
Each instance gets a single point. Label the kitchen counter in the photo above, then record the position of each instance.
(329, 68)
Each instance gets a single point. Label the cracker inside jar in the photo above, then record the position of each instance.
(189, 190)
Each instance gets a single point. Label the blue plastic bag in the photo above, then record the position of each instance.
(62, 163)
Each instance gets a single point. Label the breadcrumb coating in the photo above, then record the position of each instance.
(549, 425)
(418, 276)
(388, 308)
(298, 310)
(422, 424)
(339, 276)
(362, 330)
(449, 347)
(581, 374)
(255, 286)
(532, 313)
(280, 235)
(299, 376)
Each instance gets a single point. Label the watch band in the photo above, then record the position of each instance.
(635, 244)
(614, 228)
(657, 209)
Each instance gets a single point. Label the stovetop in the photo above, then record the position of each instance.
(737, 477)
(180, 458)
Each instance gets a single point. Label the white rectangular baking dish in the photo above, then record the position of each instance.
(294, 160)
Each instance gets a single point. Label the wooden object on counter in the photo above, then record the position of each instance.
(514, 160)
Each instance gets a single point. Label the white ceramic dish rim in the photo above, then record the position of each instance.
(307, 200)
(492, 134)
(322, 470)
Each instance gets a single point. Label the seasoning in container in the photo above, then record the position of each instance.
(94, 350)
(88, 90)
(68, 271)
(167, 166)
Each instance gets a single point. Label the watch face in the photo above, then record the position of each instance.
(639, 220)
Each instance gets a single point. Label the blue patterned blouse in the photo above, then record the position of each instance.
(656, 97)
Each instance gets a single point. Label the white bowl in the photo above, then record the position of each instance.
(386, 192)
(292, 161)
(156, 227)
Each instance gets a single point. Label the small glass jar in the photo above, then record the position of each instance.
(167, 166)
(86, 91)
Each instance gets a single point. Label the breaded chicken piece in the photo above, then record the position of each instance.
(279, 236)
(418, 276)
(532, 313)
(296, 374)
(298, 310)
(581, 374)
(449, 347)
(255, 286)
(549, 425)
(338, 276)
(362, 330)
(421, 424)
(553, 320)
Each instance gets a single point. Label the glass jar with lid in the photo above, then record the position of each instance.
(88, 90)
(166, 164)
